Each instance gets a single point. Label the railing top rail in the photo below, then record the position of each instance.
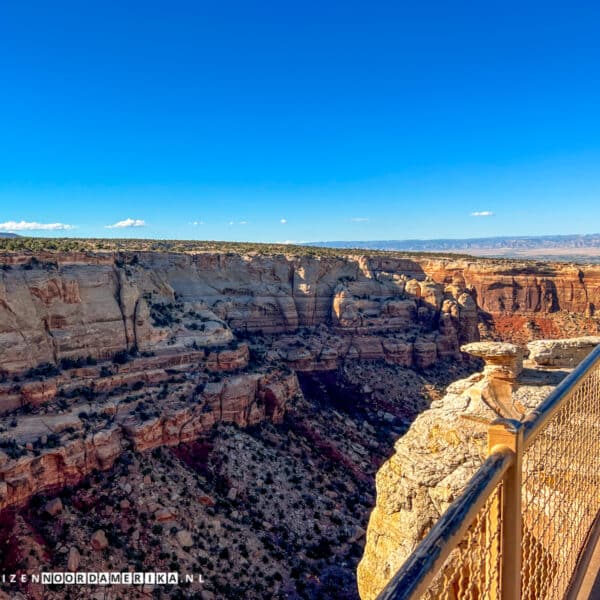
(416, 574)
(536, 420)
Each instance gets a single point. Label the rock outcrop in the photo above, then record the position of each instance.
(434, 460)
(503, 364)
(561, 353)
(47, 451)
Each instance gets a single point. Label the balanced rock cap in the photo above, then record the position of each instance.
(491, 349)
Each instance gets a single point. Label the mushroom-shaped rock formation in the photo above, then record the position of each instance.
(503, 363)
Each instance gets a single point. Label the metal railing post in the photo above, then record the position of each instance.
(508, 433)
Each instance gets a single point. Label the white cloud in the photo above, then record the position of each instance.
(359, 219)
(196, 223)
(34, 226)
(283, 221)
(127, 223)
(243, 222)
(482, 213)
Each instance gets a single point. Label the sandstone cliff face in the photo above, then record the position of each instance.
(52, 450)
(57, 306)
(430, 467)
(523, 301)
(528, 287)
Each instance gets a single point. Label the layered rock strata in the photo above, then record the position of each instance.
(56, 306)
(45, 384)
(108, 351)
(54, 448)
(65, 307)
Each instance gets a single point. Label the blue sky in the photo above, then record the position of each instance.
(277, 121)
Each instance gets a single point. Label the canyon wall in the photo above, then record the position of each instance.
(154, 345)
(59, 447)
(63, 307)
(59, 306)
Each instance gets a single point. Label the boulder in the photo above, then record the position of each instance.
(503, 361)
(184, 538)
(74, 559)
(99, 540)
(54, 507)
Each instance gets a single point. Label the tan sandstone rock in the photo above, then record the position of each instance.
(561, 353)
(503, 364)
(73, 559)
(184, 538)
(99, 540)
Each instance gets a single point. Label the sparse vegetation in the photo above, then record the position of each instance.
(122, 247)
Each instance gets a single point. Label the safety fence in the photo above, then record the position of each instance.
(521, 528)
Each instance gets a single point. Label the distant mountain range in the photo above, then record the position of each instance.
(7, 235)
(572, 248)
(465, 245)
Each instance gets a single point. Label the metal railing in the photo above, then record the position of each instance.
(520, 528)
